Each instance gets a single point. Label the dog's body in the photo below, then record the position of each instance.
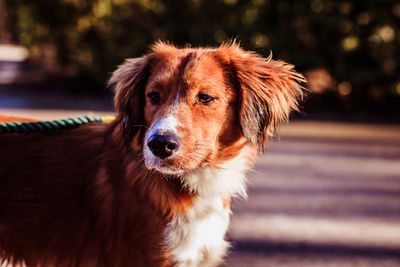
(152, 188)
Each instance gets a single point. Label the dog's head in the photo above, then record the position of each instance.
(188, 108)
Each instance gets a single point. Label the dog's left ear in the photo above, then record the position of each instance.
(129, 82)
(268, 91)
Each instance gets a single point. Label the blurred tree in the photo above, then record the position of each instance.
(357, 42)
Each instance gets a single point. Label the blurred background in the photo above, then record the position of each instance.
(327, 192)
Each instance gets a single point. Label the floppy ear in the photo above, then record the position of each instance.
(129, 82)
(268, 91)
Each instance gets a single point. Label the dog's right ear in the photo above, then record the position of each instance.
(129, 83)
(268, 91)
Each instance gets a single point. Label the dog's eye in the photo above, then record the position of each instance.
(154, 98)
(205, 99)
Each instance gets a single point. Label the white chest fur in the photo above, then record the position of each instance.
(196, 238)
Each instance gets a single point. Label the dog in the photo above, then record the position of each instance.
(152, 188)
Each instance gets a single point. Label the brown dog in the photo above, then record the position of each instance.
(153, 188)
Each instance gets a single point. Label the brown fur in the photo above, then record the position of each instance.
(83, 197)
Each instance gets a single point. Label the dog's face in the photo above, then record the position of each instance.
(188, 108)
(191, 112)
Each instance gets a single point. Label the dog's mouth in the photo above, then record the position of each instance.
(167, 169)
(170, 170)
(165, 166)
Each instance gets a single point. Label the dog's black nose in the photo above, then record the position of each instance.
(163, 145)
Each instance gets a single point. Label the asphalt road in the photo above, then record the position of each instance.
(324, 194)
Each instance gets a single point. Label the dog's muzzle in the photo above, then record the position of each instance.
(163, 145)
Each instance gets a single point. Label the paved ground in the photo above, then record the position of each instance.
(324, 194)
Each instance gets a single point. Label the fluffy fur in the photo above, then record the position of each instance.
(98, 196)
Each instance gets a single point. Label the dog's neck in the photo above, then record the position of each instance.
(226, 180)
(195, 237)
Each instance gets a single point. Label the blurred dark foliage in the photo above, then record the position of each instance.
(355, 43)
